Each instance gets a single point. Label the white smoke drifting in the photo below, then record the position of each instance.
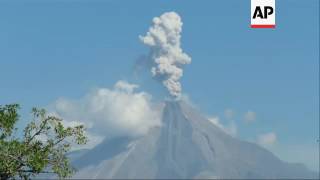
(163, 38)
(119, 111)
(230, 128)
(267, 139)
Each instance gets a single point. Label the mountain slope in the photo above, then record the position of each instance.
(185, 146)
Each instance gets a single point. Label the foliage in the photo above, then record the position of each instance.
(43, 147)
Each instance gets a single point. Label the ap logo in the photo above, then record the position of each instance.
(263, 14)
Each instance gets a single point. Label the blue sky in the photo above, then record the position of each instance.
(53, 49)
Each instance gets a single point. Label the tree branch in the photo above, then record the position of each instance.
(32, 171)
(39, 131)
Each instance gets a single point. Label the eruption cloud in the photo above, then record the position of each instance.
(166, 55)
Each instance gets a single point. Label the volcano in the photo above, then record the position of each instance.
(186, 146)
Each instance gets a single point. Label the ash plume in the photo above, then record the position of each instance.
(166, 55)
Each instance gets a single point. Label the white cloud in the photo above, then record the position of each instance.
(229, 113)
(166, 55)
(93, 141)
(267, 139)
(230, 129)
(250, 116)
(125, 86)
(119, 111)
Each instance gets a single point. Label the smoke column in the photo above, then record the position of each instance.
(163, 38)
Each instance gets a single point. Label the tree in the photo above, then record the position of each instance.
(41, 149)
